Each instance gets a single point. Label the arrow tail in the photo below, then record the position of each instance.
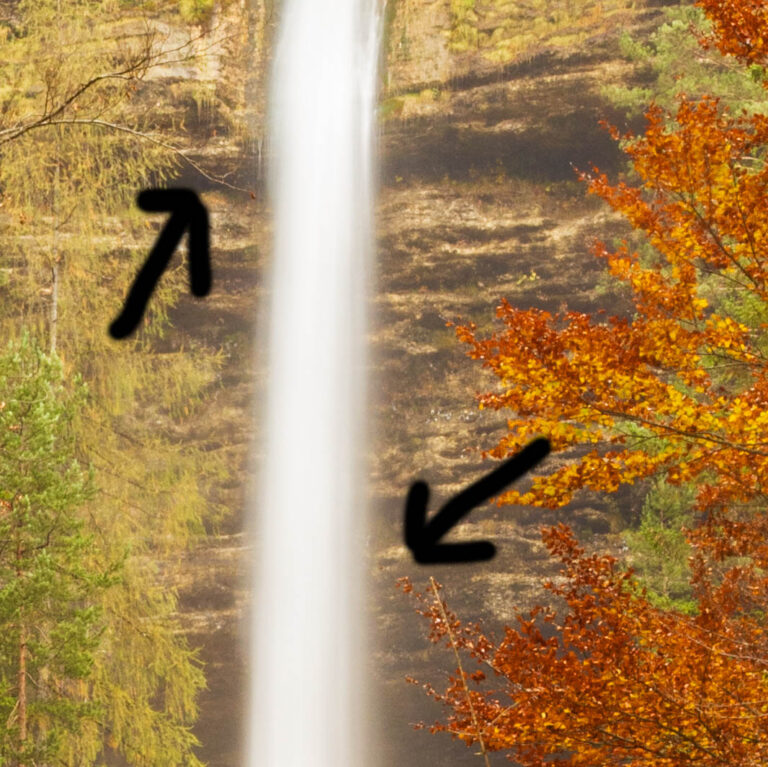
(492, 484)
(143, 286)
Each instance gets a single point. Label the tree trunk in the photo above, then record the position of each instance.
(22, 691)
(54, 302)
(22, 676)
(55, 256)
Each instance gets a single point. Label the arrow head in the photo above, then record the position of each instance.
(422, 536)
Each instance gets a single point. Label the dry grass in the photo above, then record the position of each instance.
(507, 30)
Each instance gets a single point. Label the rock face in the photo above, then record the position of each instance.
(479, 201)
(483, 117)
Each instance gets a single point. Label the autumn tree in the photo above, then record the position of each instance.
(675, 391)
(84, 91)
(678, 386)
(679, 57)
(609, 679)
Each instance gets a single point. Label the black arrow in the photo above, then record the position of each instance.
(186, 212)
(422, 537)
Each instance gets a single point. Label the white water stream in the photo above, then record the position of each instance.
(308, 625)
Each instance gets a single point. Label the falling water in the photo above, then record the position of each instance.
(307, 623)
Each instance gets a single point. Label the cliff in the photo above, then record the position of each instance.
(485, 109)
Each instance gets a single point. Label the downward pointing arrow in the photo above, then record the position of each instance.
(186, 212)
(422, 537)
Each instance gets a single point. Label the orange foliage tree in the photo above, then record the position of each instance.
(616, 681)
(679, 390)
(739, 28)
(682, 386)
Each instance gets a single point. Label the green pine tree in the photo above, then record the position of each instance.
(672, 62)
(89, 661)
(51, 621)
(658, 548)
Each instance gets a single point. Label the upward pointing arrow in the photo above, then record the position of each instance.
(186, 212)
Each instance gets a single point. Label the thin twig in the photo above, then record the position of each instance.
(144, 137)
(472, 713)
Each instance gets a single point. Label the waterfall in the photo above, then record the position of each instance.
(308, 616)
